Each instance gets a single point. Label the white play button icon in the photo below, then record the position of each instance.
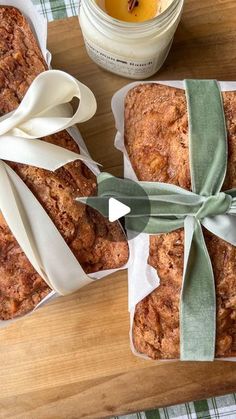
(117, 210)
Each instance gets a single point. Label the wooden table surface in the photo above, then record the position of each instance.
(72, 358)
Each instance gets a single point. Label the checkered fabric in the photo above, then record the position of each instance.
(57, 9)
(215, 408)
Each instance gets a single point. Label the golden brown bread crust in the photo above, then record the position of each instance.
(20, 58)
(96, 243)
(156, 138)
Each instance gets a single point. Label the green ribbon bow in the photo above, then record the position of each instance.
(165, 208)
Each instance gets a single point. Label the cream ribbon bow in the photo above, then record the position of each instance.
(44, 110)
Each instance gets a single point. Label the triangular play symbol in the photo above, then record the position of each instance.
(117, 210)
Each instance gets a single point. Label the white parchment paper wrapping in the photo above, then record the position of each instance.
(142, 278)
(39, 27)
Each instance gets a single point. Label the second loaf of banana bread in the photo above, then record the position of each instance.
(156, 139)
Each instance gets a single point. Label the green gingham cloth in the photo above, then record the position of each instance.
(214, 408)
(57, 9)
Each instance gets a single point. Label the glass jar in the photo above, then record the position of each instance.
(134, 50)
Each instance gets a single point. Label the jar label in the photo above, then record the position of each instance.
(121, 65)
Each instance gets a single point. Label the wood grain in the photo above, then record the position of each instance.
(71, 359)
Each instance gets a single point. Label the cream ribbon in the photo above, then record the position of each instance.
(44, 110)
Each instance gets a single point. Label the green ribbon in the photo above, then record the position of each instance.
(165, 208)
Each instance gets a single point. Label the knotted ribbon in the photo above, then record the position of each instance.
(44, 110)
(170, 207)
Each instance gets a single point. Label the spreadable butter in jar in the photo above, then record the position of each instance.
(136, 46)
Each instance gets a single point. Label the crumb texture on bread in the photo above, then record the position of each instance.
(156, 139)
(96, 243)
(20, 58)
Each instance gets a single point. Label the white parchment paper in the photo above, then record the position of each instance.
(142, 278)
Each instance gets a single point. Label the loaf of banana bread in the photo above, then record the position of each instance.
(156, 139)
(96, 243)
